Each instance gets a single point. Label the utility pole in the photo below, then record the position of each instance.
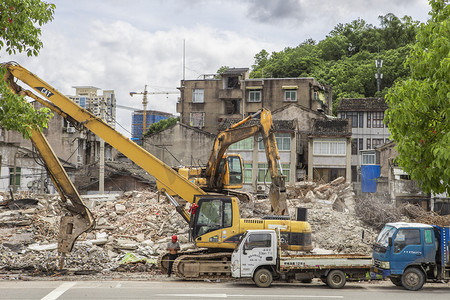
(379, 76)
(101, 179)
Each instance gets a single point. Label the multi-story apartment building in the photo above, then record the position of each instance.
(368, 130)
(86, 97)
(205, 102)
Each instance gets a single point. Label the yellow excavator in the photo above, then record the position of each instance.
(214, 219)
(223, 172)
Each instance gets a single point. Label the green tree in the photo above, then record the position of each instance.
(161, 125)
(419, 107)
(20, 31)
(18, 20)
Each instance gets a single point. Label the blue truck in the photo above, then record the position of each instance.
(411, 254)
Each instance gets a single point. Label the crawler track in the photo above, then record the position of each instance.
(202, 266)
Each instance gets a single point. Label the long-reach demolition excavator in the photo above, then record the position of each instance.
(214, 219)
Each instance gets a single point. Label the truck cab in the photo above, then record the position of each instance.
(257, 248)
(411, 253)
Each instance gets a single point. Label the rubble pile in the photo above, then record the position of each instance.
(137, 223)
(330, 212)
(137, 226)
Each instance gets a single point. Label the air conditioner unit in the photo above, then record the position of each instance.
(260, 188)
(70, 130)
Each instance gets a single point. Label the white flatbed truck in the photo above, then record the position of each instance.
(258, 256)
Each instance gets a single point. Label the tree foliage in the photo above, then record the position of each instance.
(345, 59)
(419, 107)
(19, 21)
(19, 32)
(161, 125)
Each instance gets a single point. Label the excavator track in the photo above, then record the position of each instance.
(163, 260)
(202, 266)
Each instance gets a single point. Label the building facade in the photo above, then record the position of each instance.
(368, 129)
(86, 97)
(206, 102)
(330, 150)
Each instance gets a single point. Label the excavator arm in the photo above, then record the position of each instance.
(168, 179)
(238, 132)
(79, 219)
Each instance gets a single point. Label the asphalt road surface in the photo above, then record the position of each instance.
(177, 289)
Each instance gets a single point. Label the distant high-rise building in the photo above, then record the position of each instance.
(86, 97)
(152, 116)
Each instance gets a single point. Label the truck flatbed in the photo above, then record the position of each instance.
(328, 261)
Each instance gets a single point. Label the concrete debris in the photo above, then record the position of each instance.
(139, 224)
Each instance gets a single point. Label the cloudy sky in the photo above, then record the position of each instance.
(126, 44)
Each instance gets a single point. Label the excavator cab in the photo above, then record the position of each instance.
(231, 171)
(213, 220)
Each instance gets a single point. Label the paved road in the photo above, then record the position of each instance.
(175, 289)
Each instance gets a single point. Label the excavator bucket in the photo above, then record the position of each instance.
(70, 228)
(278, 200)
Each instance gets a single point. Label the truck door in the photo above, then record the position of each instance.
(407, 249)
(256, 251)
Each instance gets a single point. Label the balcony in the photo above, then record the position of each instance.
(230, 94)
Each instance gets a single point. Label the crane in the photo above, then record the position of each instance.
(145, 102)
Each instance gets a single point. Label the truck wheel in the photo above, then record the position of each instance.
(336, 279)
(396, 280)
(413, 279)
(263, 278)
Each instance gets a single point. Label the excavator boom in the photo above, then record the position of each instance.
(167, 178)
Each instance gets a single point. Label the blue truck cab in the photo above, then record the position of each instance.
(411, 254)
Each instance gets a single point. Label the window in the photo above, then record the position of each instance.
(227, 215)
(264, 173)
(197, 119)
(368, 159)
(329, 147)
(406, 237)
(283, 141)
(377, 142)
(369, 146)
(356, 118)
(428, 236)
(254, 96)
(290, 95)
(259, 240)
(248, 178)
(357, 144)
(377, 119)
(354, 146)
(83, 102)
(286, 171)
(246, 144)
(198, 96)
(15, 182)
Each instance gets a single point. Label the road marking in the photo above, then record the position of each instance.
(255, 296)
(53, 295)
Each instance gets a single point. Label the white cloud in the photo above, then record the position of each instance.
(125, 45)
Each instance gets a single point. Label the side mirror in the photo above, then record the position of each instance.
(390, 242)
